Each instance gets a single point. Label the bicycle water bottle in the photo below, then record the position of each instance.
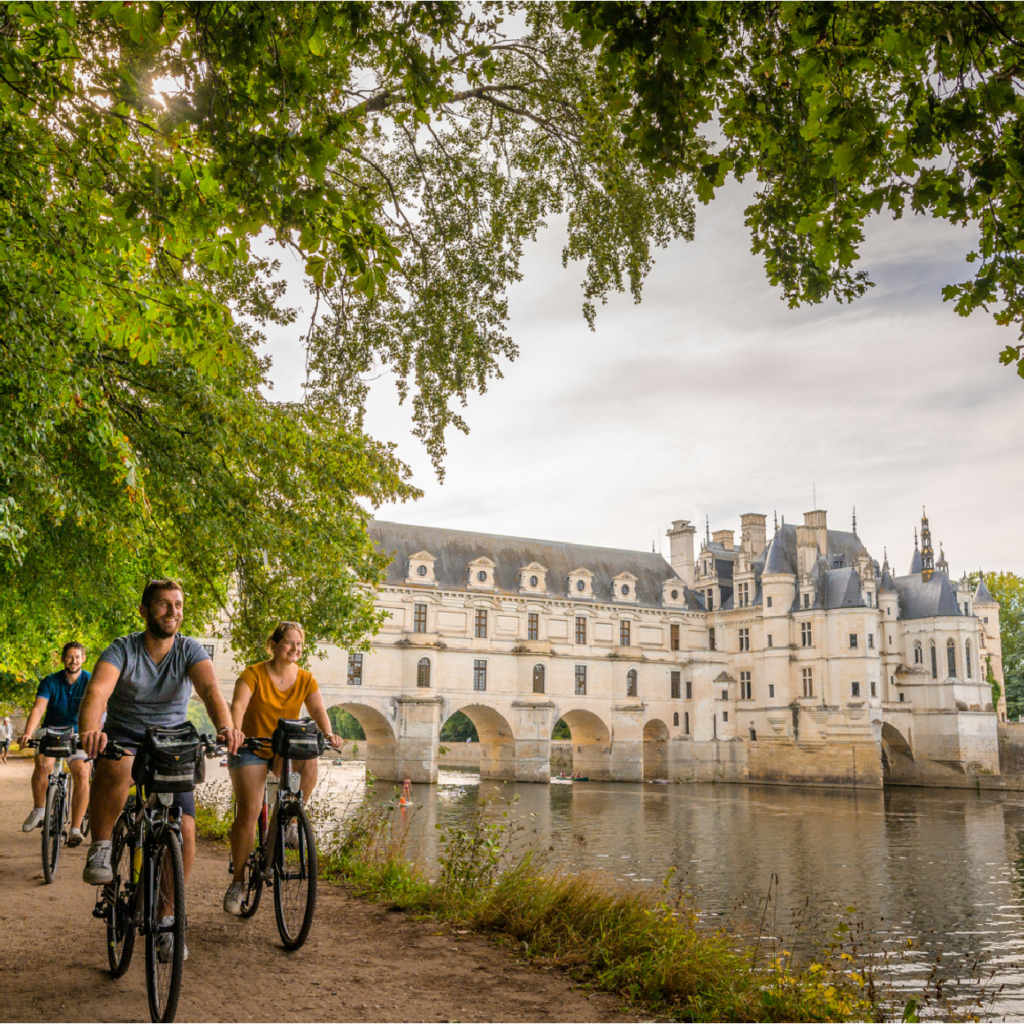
(136, 863)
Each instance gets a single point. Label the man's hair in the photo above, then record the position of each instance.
(71, 645)
(154, 585)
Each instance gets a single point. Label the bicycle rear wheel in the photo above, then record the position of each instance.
(252, 880)
(294, 877)
(53, 831)
(165, 944)
(120, 898)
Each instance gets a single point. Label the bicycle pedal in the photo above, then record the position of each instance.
(100, 910)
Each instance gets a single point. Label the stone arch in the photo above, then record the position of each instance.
(497, 740)
(898, 764)
(656, 739)
(591, 743)
(381, 741)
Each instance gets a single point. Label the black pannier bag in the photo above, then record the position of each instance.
(57, 742)
(299, 739)
(172, 759)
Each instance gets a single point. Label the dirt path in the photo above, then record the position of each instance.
(361, 963)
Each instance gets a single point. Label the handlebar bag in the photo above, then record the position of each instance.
(299, 739)
(171, 759)
(57, 741)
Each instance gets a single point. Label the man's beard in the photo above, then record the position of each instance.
(156, 628)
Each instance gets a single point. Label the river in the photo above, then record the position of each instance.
(928, 872)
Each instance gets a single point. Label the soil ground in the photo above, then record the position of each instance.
(361, 963)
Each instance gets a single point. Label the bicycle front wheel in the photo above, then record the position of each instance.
(294, 876)
(120, 899)
(165, 937)
(252, 880)
(53, 829)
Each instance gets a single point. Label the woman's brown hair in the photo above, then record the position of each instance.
(279, 631)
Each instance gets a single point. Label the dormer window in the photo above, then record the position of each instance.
(581, 583)
(481, 574)
(624, 587)
(420, 569)
(672, 593)
(533, 578)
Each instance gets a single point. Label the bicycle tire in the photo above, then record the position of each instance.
(85, 823)
(163, 970)
(294, 878)
(252, 879)
(53, 822)
(120, 899)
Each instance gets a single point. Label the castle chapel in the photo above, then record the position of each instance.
(790, 657)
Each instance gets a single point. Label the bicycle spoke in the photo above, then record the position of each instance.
(295, 877)
(120, 899)
(165, 940)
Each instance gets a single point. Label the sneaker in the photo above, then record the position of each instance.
(97, 864)
(165, 943)
(34, 820)
(291, 839)
(233, 898)
(75, 837)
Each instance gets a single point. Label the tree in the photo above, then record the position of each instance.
(345, 725)
(406, 152)
(1008, 589)
(458, 729)
(839, 111)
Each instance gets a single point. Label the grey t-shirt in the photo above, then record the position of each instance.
(148, 694)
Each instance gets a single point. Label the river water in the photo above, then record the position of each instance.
(929, 873)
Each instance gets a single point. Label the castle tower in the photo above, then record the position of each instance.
(927, 554)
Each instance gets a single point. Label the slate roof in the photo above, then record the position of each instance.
(982, 594)
(916, 565)
(921, 599)
(453, 550)
(887, 586)
(843, 589)
(780, 554)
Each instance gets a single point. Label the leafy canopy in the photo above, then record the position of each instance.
(839, 111)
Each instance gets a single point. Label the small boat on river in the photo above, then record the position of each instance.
(570, 778)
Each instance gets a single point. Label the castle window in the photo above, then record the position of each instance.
(631, 686)
(769, 600)
(753, 735)
(419, 618)
(903, 697)
(581, 629)
(480, 626)
(624, 633)
(951, 657)
(743, 595)
(744, 639)
(855, 689)
(538, 678)
(918, 654)
(421, 570)
(769, 640)
(581, 585)
(675, 718)
(482, 576)
(853, 639)
(745, 693)
(807, 679)
(871, 640)
(968, 671)
(711, 639)
(725, 716)
(674, 684)
(689, 689)
(709, 599)
(935, 661)
(479, 675)
(807, 600)
(874, 690)
(725, 695)
(581, 680)
(771, 690)
(674, 637)
(355, 670)
(534, 581)
(686, 722)
(532, 626)
(423, 672)
(805, 634)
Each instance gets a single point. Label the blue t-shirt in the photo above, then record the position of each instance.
(149, 694)
(64, 698)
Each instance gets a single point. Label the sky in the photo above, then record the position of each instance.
(711, 398)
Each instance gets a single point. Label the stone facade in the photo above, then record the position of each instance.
(795, 658)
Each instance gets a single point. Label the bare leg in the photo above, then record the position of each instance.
(248, 782)
(79, 791)
(307, 777)
(109, 792)
(40, 778)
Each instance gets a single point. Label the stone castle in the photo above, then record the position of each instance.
(794, 658)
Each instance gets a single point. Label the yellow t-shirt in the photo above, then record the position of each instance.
(269, 703)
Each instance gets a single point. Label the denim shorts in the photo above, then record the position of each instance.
(131, 741)
(246, 758)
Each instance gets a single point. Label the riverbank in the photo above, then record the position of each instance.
(363, 962)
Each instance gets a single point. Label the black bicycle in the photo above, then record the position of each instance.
(60, 744)
(285, 849)
(147, 894)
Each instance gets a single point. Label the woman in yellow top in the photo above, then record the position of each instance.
(273, 689)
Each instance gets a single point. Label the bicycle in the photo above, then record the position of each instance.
(60, 744)
(147, 894)
(288, 862)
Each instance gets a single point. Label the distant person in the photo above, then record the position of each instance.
(58, 699)
(5, 739)
(269, 690)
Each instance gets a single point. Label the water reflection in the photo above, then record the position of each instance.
(941, 868)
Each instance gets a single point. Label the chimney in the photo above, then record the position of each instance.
(811, 540)
(680, 543)
(753, 533)
(723, 537)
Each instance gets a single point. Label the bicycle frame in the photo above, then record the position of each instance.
(150, 818)
(288, 790)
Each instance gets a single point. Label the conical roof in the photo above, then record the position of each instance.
(886, 586)
(982, 595)
(916, 565)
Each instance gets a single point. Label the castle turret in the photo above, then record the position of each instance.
(680, 544)
(927, 554)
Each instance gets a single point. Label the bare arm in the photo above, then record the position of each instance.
(94, 703)
(316, 709)
(204, 679)
(35, 716)
(239, 702)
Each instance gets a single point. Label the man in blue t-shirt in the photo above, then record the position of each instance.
(57, 702)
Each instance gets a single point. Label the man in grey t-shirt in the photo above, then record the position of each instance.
(140, 680)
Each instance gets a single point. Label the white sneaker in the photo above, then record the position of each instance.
(233, 898)
(75, 837)
(165, 943)
(97, 864)
(34, 820)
